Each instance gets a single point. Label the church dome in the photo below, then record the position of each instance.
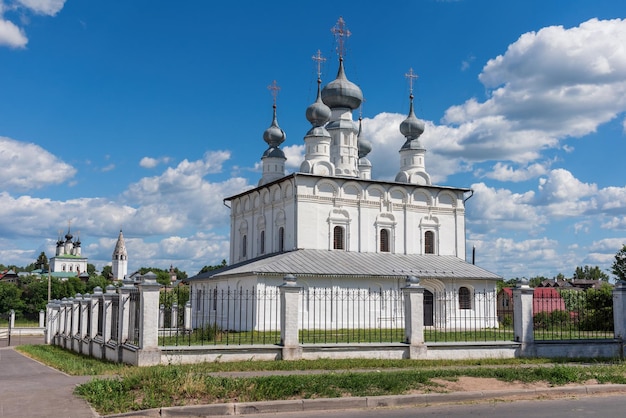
(318, 113)
(341, 92)
(274, 136)
(364, 146)
(412, 127)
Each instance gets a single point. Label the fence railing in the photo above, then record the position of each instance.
(326, 316)
(454, 319)
(351, 316)
(573, 314)
(113, 324)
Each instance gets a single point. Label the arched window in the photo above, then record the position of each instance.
(384, 240)
(429, 242)
(281, 239)
(244, 245)
(465, 300)
(262, 243)
(338, 238)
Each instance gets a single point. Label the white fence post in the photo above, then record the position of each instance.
(107, 299)
(523, 316)
(414, 317)
(12, 319)
(187, 319)
(619, 312)
(124, 312)
(149, 353)
(174, 317)
(42, 316)
(94, 306)
(289, 314)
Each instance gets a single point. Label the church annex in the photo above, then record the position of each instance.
(332, 226)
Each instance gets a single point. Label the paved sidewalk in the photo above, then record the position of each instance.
(31, 389)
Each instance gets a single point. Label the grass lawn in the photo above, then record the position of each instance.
(135, 388)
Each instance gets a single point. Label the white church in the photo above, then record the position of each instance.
(68, 260)
(332, 226)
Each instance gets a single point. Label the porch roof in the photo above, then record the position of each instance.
(353, 264)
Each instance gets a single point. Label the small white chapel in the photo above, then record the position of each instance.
(332, 226)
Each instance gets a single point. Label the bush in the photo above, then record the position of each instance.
(506, 321)
(545, 320)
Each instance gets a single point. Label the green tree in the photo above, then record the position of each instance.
(598, 311)
(91, 270)
(590, 273)
(34, 295)
(215, 267)
(96, 281)
(506, 283)
(107, 272)
(536, 281)
(10, 299)
(618, 267)
(42, 261)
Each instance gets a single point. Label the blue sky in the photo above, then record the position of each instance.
(144, 115)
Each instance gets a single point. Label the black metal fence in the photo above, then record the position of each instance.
(135, 317)
(351, 316)
(243, 316)
(573, 314)
(453, 316)
(222, 316)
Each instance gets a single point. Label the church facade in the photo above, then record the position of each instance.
(68, 260)
(332, 226)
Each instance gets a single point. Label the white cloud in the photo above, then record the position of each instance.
(609, 244)
(549, 85)
(149, 162)
(505, 172)
(11, 35)
(526, 258)
(295, 156)
(561, 187)
(614, 223)
(45, 7)
(27, 166)
(491, 210)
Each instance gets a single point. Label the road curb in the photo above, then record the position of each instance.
(300, 405)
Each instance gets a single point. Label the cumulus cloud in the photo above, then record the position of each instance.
(149, 162)
(45, 7)
(27, 166)
(505, 172)
(526, 258)
(549, 85)
(561, 187)
(11, 35)
(492, 209)
(295, 156)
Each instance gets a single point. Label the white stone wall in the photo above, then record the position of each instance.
(68, 264)
(309, 207)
